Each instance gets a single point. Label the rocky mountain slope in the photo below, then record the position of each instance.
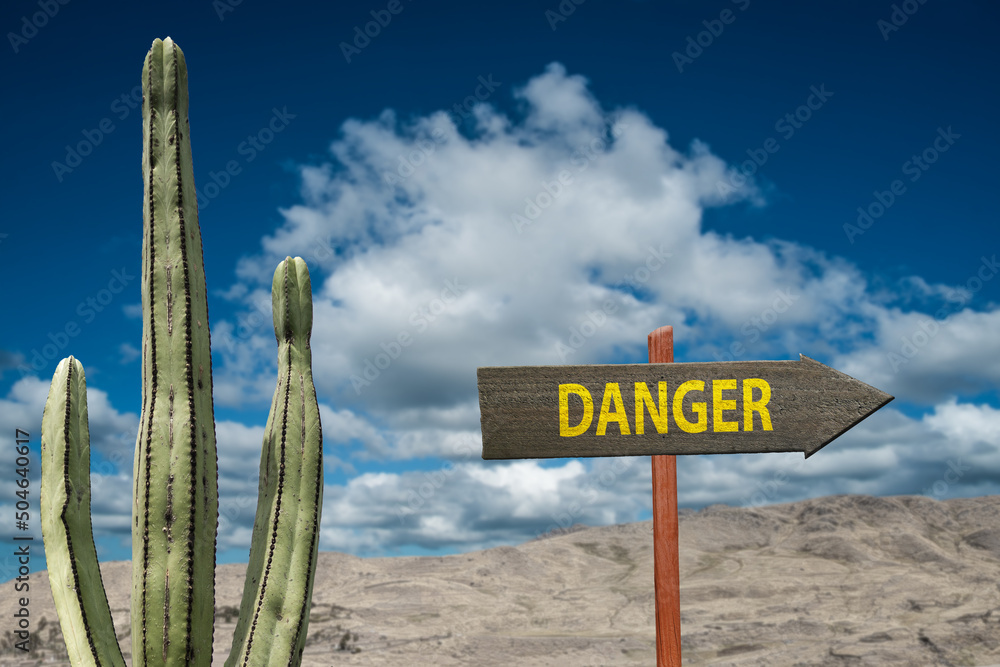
(838, 581)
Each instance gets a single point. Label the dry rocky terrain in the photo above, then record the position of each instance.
(836, 581)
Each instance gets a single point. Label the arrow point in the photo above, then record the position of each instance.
(867, 400)
(876, 399)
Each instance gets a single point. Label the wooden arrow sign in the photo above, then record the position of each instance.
(728, 407)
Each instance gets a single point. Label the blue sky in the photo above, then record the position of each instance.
(699, 164)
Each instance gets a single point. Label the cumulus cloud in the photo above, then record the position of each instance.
(434, 251)
(927, 356)
(564, 234)
(467, 506)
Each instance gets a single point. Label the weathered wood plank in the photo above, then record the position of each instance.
(809, 405)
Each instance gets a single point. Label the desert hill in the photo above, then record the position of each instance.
(838, 581)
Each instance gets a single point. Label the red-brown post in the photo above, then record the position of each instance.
(666, 551)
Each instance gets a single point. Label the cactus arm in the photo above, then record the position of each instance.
(175, 499)
(274, 614)
(74, 573)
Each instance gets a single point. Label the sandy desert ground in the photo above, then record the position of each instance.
(835, 581)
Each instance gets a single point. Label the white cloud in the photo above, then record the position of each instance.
(977, 426)
(128, 353)
(112, 433)
(433, 252)
(473, 505)
(614, 223)
(556, 102)
(953, 450)
(923, 357)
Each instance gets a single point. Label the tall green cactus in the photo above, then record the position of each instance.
(175, 502)
(175, 493)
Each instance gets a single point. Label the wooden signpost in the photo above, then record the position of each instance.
(663, 409)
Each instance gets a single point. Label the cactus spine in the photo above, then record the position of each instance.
(175, 491)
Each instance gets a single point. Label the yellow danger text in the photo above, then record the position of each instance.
(721, 401)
